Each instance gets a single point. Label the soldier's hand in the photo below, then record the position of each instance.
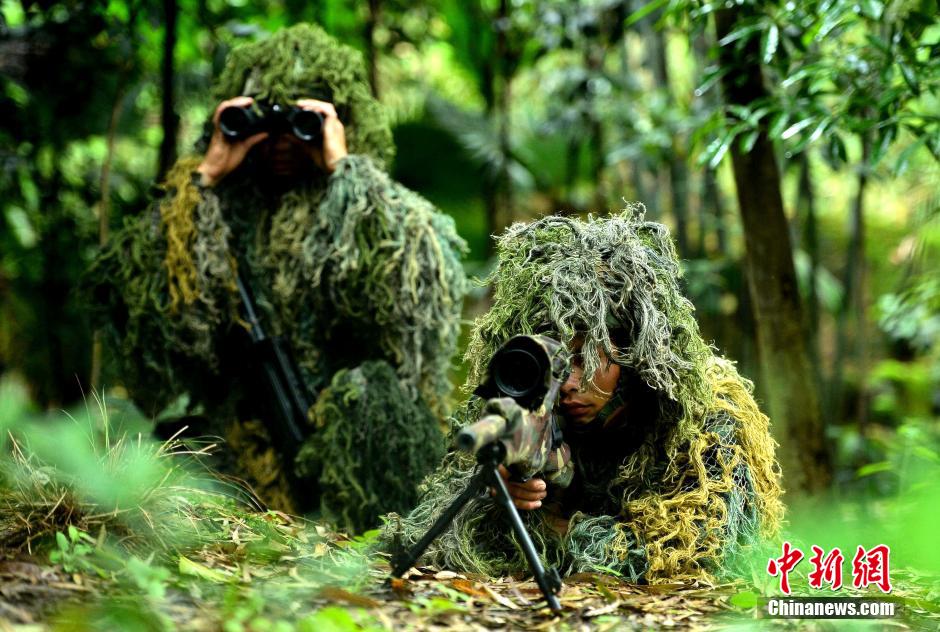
(528, 495)
(224, 156)
(334, 135)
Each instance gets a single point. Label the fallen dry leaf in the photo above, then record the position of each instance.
(333, 593)
(596, 612)
(498, 598)
(468, 588)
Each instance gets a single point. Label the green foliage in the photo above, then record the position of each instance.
(73, 551)
(168, 539)
(836, 69)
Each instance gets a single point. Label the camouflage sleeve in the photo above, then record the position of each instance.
(384, 258)
(163, 339)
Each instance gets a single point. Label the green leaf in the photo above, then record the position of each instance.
(744, 600)
(900, 167)
(748, 140)
(871, 9)
(777, 124)
(717, 149)
(741, 33)
(330, 619)
(796, 128)
(644, 11)
(910, 77)
(712, 76)
(62, 541)
(874, 468)
(769, 43)
(800, 74)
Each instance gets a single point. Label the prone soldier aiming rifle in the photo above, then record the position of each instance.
(519, 429)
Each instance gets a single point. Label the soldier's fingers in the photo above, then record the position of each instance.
(525, 494)
(326, 109)
(534, 484)
(504, 472)
(234, 101)
(527, 505)
(251, 141)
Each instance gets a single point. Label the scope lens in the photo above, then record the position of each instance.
(234, 121)
(517, 372)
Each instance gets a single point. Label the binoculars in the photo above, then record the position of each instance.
(240, 122)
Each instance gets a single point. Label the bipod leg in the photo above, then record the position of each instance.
(548, 581)
(403, 562)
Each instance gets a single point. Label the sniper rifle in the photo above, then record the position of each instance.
(287, 402)
(519, 429)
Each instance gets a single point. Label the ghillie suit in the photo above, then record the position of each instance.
(361, 276)
(688, 475)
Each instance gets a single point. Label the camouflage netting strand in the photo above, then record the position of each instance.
(348, 268)
(696, 478)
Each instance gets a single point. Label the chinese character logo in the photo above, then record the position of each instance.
(871, 567)
(828, 569)
(784, 564)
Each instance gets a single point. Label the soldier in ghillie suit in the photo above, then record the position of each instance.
(674, 468)
(359, 275)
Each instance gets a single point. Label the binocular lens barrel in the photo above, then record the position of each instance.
(305, 124)
(237, 122)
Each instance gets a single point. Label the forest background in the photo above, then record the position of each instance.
(791, 146)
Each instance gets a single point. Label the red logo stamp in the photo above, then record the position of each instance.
(871, 567)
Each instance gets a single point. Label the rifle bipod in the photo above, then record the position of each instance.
(488, 458)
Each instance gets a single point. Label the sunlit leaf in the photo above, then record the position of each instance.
(742, 33)
(874, 468)
(796, 128)
(644, 11)
(769, 43)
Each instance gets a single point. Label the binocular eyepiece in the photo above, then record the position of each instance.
(240, 122)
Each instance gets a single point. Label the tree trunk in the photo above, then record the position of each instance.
(806, 203)
(787, 374)
(371, 53)
(850, 332)
(714, 210)
(168, 116)
(678, 174)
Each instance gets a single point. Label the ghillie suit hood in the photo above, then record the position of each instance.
(691, 477)
(349, 267)
(305, 62)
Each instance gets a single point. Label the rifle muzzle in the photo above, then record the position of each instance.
(478, 434)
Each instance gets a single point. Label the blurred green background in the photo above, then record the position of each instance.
(506, 110)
